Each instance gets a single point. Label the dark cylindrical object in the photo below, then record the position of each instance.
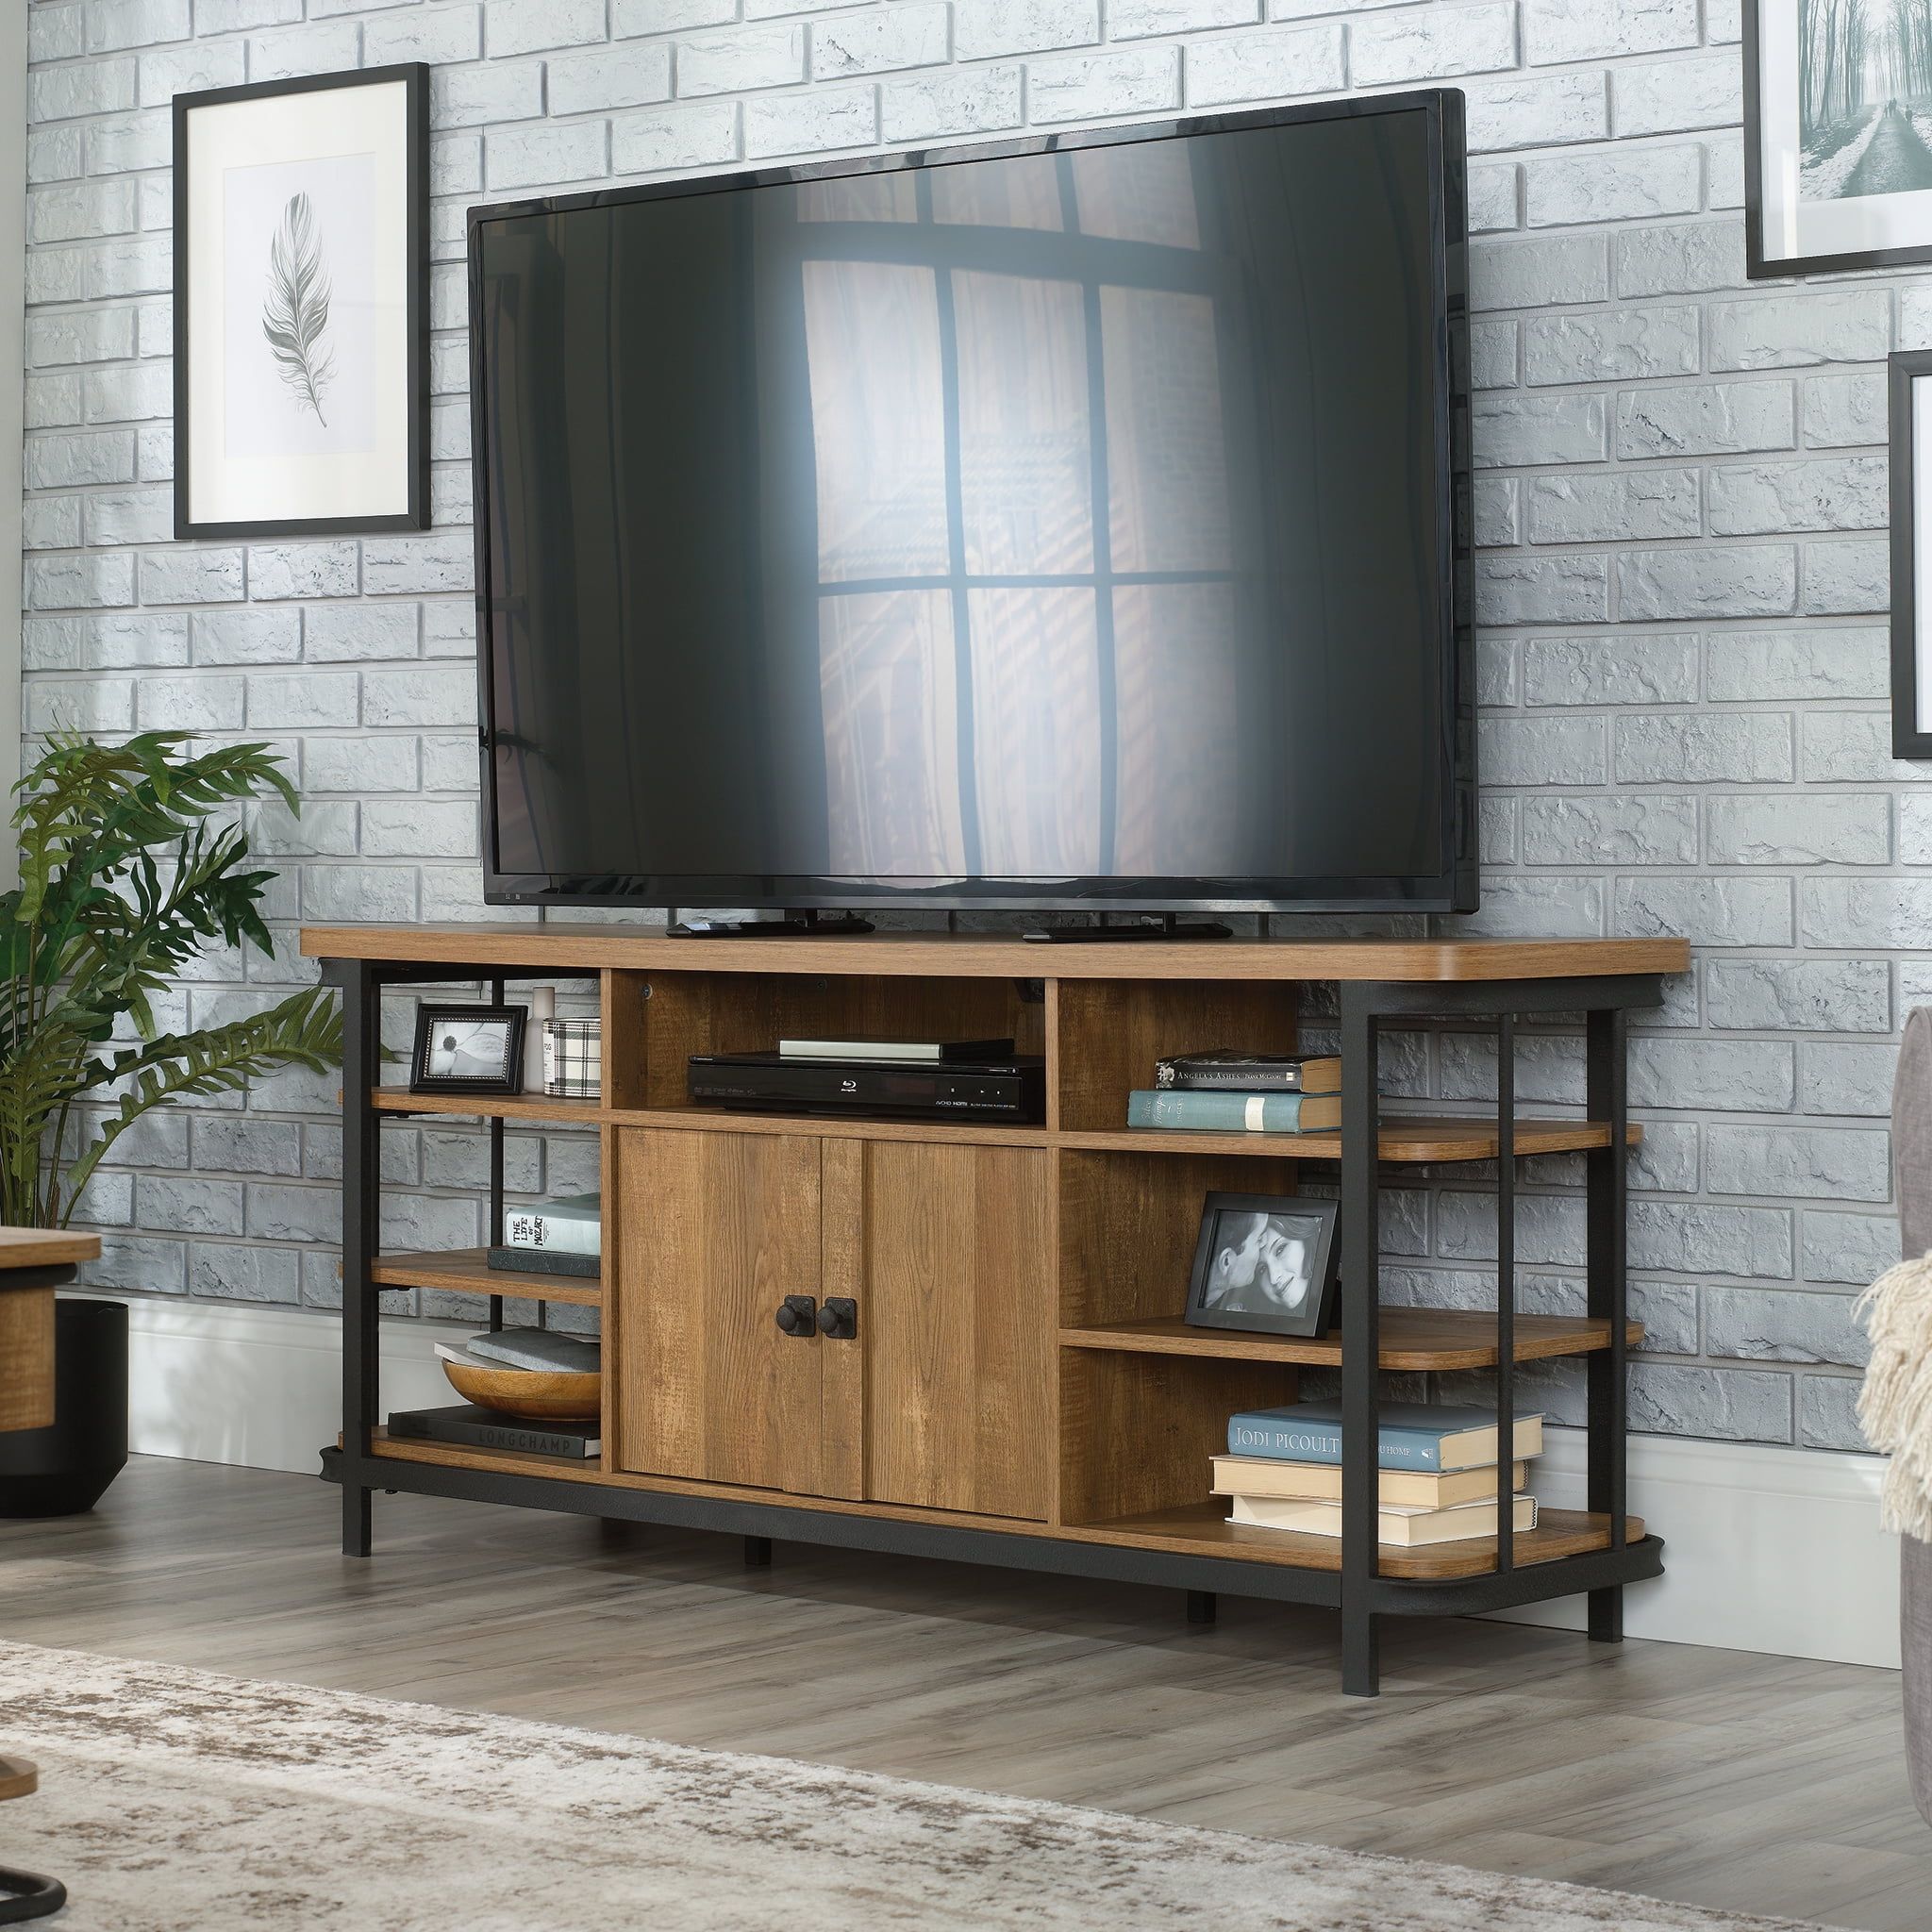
(65, 1469)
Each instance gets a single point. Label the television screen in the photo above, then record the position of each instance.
(1069, 526)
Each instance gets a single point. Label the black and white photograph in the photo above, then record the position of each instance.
(1264, 1263)
(300, 306)
(1838, 133)
(469, 1050)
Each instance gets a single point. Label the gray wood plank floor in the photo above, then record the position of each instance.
(1723, 1779)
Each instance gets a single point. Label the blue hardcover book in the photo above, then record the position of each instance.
(1234, 1113)
(1414, 1435)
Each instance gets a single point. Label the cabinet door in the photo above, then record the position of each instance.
(715, 1231)
(960, 1328)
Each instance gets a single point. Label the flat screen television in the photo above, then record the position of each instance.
(1069, 524)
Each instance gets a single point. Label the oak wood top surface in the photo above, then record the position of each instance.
(558, 947)
(45, 1247)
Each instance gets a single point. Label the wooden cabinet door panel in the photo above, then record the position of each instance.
(957, 1323)
(715, 1231)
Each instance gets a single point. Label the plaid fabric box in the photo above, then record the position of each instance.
(572, 1058)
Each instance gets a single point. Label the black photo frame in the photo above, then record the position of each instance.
(1765, 90)
(1911, 641)
(423, 1079)
(1256, 1301)
(405, 470)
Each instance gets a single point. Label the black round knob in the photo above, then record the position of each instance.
(828, 1320)
(791, 1320)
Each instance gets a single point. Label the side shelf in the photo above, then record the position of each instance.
(1432, 1339)
(465, 1270)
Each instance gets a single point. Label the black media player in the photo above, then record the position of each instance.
(1012, 1090)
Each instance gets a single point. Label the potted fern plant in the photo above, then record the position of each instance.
(132, 860)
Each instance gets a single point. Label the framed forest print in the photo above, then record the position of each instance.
(301, 306)
(1837, 135)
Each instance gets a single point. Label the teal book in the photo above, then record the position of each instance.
(1234, 1113)
(1414, 1435)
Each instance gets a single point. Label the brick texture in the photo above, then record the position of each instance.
(1680, 520)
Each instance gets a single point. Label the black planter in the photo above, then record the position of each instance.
(65, 1469)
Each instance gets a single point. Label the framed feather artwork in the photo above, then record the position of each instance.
(301, 306)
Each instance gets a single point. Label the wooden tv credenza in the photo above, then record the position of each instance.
(1021, 1389)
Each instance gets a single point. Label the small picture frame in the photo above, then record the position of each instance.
(467, 1049)
(1264, 1263)
(1911, 574)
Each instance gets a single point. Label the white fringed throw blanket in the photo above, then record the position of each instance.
(1895, 1405)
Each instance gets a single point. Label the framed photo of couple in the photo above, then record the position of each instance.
(1265, 1263)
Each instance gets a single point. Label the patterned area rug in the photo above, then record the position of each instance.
(173, 1799)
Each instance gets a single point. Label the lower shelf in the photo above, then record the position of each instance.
(1203, 1529)
(466, 1270)
(1199, 1530)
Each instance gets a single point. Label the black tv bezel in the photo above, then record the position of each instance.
(1452, 889)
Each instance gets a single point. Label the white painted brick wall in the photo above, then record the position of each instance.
(1680, 504)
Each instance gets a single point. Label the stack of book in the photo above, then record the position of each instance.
(1227, 1092)
(561, 1237)
(1438, 1481)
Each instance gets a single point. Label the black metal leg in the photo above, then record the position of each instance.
(1505, 1292)
(358, 1527)
(1201, 1607)
(757, 1553)
(361, 1212)
(1361, 1654)
(1361, 1277)
(1607, 1615)
(1607, 1094)
(24, 1895)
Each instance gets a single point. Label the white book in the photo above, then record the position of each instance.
(1409, 1525)
(569, 1226)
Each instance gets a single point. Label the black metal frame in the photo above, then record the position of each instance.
(414, 76)
(1756, 267)
(1318, 1316)
(1358, 1590)
(1904, 369)
(1452, 888)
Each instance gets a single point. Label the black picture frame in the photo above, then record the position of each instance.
(415, 79)
(1905, 370)
(510, 1081)
(1316, 1314)
(1757, 268)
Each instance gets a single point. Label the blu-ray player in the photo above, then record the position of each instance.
(1011, 1090)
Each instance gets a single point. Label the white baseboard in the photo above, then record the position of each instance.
(259, 1386)
(1766, 1549)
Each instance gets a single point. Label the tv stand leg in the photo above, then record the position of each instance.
(757, 1553)
(358, 1529)
(1201, 1607)
(1362, 1659)
(1607, 1615)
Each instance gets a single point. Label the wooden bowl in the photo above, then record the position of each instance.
(532, 1395)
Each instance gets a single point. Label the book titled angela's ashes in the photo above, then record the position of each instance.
(484, 1428)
